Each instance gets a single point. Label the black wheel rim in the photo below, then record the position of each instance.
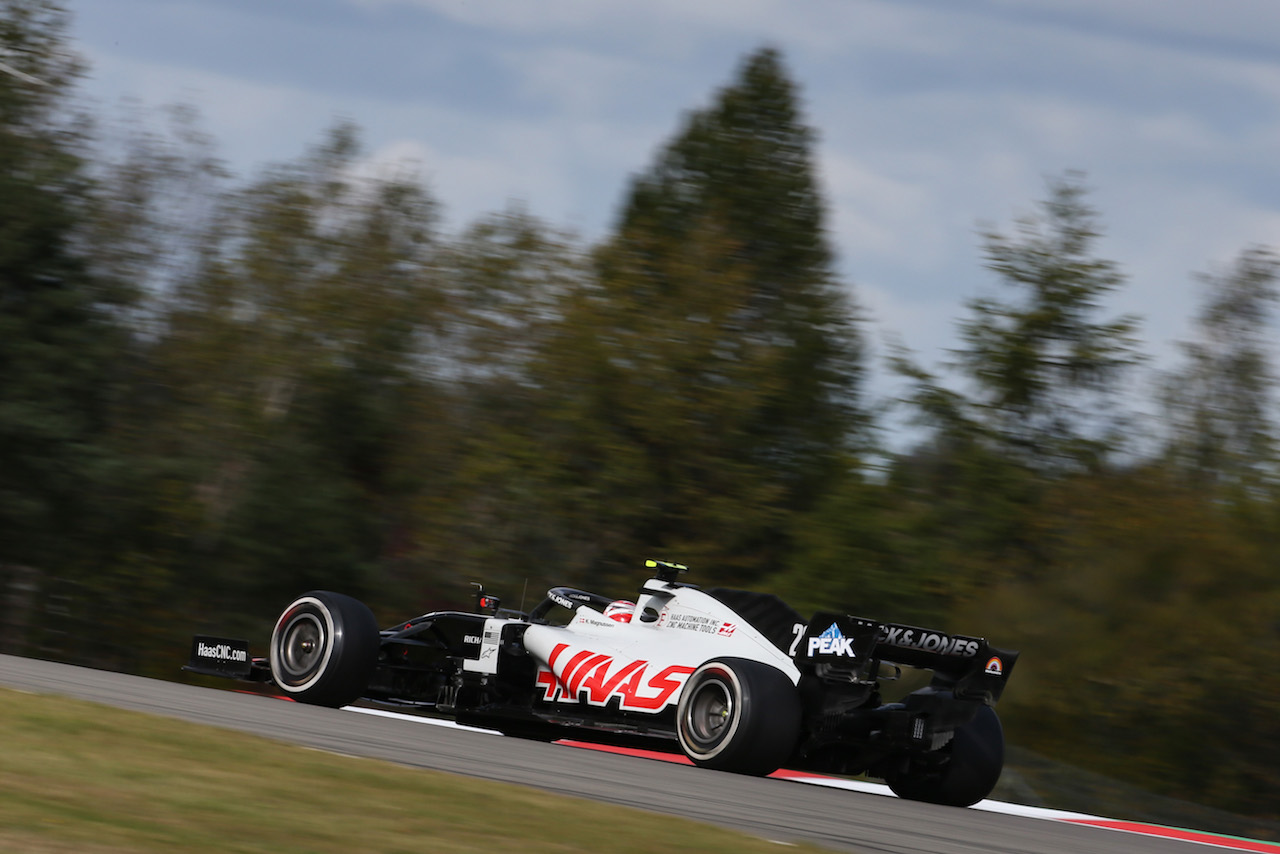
(708, 714)
(302, 646)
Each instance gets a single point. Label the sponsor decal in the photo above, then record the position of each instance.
(995, 667)
(832, 642)
(561, 601)
(597, 678)
(471, 639)
(221, 652)
(486, 660)
(697, 623)
(908, 638)
(797, 632)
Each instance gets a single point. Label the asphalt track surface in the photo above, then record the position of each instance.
(774, 809)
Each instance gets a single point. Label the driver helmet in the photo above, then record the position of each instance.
(620, 610)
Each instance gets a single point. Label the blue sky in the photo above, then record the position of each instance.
(935, 117)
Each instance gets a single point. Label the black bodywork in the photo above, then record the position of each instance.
(847, 727)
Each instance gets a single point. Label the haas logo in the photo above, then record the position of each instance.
(594, 676)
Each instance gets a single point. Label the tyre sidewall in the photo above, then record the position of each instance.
(977, 758)
(707, 678)
(308, 608)
(764, 721)
(349, 639)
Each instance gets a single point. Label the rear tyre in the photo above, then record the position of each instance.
(324, 648)
(969, 772)
(738, 715)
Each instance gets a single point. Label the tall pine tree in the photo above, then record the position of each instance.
(1219, 406)
(709, 381)
(1045, 364)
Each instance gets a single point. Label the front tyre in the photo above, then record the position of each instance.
(972, 766)
(324, 648)
(738, 715)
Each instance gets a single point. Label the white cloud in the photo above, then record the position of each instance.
(1232, 20)
(877, 214)
(557, 17)
(254, 123)
(932, 116)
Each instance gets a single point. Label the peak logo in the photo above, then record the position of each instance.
(832, 642)
(597, 678)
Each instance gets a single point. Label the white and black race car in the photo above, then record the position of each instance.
(735, 680)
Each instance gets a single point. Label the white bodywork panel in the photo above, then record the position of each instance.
(487, 661)
(643, 663)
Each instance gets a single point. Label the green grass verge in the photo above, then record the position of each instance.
(79, 777)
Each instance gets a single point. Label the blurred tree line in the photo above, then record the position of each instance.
(215, 394)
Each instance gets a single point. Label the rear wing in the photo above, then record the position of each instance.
(969, 667)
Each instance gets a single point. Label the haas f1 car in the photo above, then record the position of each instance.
(735, 680)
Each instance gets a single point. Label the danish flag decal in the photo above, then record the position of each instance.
(597, 678)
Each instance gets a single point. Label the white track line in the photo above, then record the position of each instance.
(829, 782)
(401, 716)
(880, 789)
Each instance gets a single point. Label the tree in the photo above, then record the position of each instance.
(293, 357)
(747, 162)
(156, 194)
(1041, 374)
(1046, 370)
(60, 341)
(1160, 615)
(506, 277)
(490, 512)
(1219, 406)
(705, 388)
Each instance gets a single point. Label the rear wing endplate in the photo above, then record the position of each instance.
(969, 667)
